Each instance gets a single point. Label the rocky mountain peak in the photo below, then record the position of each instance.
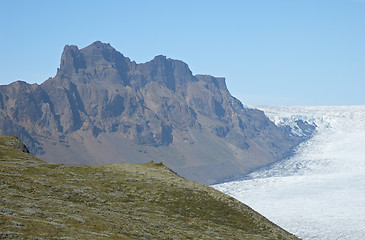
(98, 52)
(171, 73)
(71, 60)
(161, 62)
(98, 62)
(159, 58)
(102, 108)
(99, 44)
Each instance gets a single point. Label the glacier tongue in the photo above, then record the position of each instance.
(319, 193)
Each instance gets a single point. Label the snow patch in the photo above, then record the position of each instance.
(319, 193)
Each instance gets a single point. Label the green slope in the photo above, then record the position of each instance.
(117, 201)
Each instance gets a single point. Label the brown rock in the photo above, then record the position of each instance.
(103, 108)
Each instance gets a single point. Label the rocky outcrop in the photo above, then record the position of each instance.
(12, 143)
(101, 107)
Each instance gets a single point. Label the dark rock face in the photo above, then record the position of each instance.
(101, 107)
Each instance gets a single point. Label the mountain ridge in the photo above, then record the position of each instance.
(101, 107)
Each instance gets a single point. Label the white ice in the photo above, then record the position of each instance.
(319, 193)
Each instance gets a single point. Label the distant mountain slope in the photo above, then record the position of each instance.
(101, 107)
(118, 201)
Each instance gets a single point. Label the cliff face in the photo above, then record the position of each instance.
(101, 107)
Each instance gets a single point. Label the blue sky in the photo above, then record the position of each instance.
(271, 52)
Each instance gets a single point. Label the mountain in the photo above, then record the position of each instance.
(118, 201)
(101, 107)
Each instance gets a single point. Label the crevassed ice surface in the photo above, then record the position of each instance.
(319, 193)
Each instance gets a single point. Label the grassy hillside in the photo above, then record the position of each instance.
(116, 201)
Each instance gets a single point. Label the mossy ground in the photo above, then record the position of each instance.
(116, 201)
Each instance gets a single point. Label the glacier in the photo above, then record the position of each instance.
(319, 192)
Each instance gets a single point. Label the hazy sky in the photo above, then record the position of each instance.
(272, 52)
